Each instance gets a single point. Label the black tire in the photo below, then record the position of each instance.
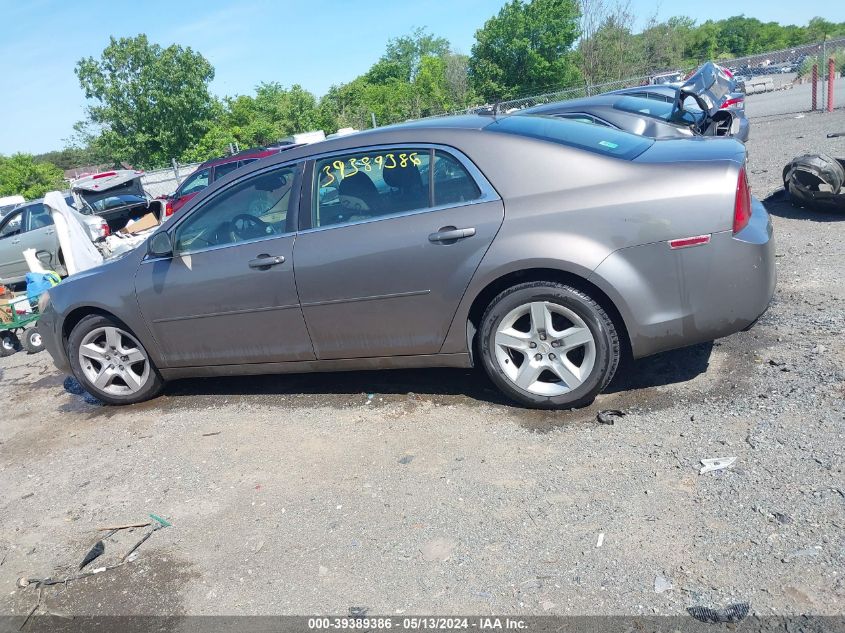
(605, 338)
(9, 343)
(32, 341)
(149, 390)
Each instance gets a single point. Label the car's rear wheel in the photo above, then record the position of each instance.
(111, 363)
(548, 345)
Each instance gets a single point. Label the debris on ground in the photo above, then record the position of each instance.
(600, 540)
(662, 583)
(406, 459)
(815, 181)
(730, 614)
(609, 416)
(358, 612)
(715, 463)
(94, 553)
(73, 387)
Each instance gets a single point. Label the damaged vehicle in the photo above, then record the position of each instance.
(540, 249)
(31, 226)
(704, 105)
(117, 196)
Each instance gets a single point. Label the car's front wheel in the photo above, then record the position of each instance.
(548, 345)
(110, 362)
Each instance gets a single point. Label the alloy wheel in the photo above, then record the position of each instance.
(114, 361)
(545, 348)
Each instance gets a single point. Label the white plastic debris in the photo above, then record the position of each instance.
(78, 250)
(715, 463)
(662, 583)
(35, 265)
(600, 540)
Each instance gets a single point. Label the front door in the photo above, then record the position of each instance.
(396, 235)
(29, 227)
(227, 296)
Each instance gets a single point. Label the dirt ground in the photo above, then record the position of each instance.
(423, 492)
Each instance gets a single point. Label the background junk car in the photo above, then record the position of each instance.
(706, 104)
(540, 248)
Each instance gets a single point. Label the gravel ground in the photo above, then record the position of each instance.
(304, 494)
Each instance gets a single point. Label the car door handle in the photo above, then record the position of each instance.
(264, 261)
(450, 235)
(17, 241)
(50, 232)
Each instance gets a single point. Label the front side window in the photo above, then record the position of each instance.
(367, 185)
(253, 209)
(195, 182)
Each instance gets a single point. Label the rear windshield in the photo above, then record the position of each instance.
(593, 138)
(650, 107)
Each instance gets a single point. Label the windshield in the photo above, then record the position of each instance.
(6, 208)
(593, 138)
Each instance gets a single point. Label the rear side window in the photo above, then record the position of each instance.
(225, 168)
(593, 138)
(452, 182)
(369, 185)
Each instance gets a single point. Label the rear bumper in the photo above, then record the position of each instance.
(674, 298)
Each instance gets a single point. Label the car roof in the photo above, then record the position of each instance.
(252, 152)
(385, 135)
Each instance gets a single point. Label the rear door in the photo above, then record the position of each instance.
(216, 301)
(391, 238)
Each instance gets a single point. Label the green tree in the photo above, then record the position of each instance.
(150, 103)
(525, 49)
(408, 51)
(274, 113)
(20, 174)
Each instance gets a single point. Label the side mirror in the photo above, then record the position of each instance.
(160, 245)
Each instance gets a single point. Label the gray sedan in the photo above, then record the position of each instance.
(31, 226)
(540, 249)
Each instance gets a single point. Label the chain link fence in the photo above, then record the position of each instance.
(163, 182)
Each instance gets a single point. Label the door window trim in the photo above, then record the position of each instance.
(488, 193)
(290, 224)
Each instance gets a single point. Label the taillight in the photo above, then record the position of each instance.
(105, 229)
(105, 174)
(168, 209)
(738, 101)
(742, 203)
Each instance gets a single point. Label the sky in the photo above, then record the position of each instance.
(315, 43)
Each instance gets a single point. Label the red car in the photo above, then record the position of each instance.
(212, 170)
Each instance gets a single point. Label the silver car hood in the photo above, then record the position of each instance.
(709, 86)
